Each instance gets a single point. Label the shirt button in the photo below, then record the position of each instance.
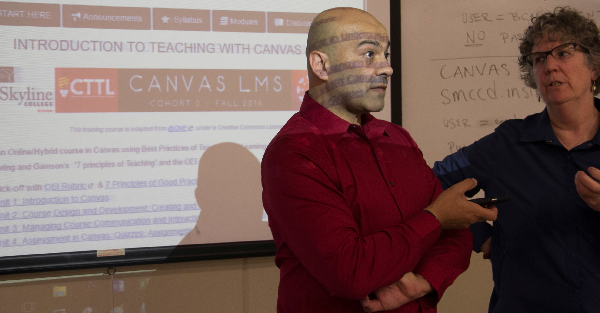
(548, 140)
(590, 144)
(569, 157)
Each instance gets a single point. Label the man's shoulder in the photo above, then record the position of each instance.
(296, 135)
(397, 132)
(297, 125)
(391, 127)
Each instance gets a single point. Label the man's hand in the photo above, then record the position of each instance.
(407, 289)
(486, 248)
(589, 189)
(454, 211)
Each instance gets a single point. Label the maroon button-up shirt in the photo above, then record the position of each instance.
(345, 205)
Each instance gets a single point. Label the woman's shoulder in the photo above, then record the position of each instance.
(518, 124)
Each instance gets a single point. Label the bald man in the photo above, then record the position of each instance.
(359, 219)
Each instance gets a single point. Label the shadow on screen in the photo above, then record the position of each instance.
(229, 195)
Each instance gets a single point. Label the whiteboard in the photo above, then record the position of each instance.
(460, 74)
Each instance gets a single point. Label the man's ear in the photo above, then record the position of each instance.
(319, 63)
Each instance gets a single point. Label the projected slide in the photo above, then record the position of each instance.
(142, 126)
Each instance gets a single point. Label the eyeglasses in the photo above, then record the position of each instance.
(560, 54)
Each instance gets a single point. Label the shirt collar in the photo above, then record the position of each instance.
(538, 127)
(332, 125)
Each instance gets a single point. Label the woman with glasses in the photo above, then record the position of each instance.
(545, 244)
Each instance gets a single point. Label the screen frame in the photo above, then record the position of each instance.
(135, 256)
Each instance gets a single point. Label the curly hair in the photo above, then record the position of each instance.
(565, 25)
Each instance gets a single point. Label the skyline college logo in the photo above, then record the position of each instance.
(24, 93)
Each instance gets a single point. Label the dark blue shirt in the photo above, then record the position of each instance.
(546, 240)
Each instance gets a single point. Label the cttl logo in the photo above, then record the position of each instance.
(86, 90)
